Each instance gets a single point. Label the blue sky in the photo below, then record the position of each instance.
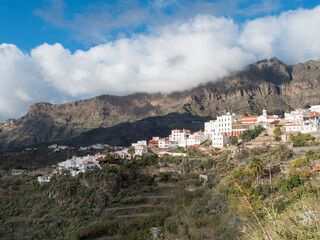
(59, 51)
(28, 24)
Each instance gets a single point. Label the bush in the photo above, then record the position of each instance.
(277, 133)
(298, 143)
(163, 177)
(249, 135)
(309, 153)
(94, 230)
(285, 185)
(234, 140)
(294, 181)
(299, 162)
(208, 164)
(303, 140)
(148, 179)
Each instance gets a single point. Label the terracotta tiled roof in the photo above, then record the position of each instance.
(313, 114)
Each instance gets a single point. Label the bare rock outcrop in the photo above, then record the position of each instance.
(266, 84)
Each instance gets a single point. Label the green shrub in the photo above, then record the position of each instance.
(277, 133)
(148, 179)
(208, 164)
(294, 181)
(299, 162)
(234, 140)
(163, 177)
(298, 143)
(248, 135)
(309, 153)
(95, 229)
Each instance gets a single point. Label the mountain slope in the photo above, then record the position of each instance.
(267, 84)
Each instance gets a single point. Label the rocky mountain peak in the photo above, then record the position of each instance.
(267, 84)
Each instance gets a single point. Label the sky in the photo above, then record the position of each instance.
(61, 50)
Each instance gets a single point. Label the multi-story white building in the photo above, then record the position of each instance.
(223, 124)
(315, 108)
(178, 135)
(166, 143)
(311, 123)
(296, 115)
(195, 139)
(293, 127)
(220, 140)
(139, 143)
(141, 150)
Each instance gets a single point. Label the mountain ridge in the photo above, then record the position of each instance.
(266, 84)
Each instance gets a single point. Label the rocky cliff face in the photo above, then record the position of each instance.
(266, 84)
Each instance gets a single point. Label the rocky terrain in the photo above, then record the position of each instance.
(267, 84)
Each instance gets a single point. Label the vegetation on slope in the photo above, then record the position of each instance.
(124, 202)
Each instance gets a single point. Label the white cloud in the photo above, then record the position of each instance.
(21, 83)
(174, 57)
(293, 36)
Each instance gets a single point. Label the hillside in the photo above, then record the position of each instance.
(125, 201)
(266, 84)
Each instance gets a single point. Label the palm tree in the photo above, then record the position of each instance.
(256, 167)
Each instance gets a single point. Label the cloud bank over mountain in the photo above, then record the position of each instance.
(172, 57)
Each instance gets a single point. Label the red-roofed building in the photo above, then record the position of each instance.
(43, 179)
(252, 119)
(154, 142)
(311, 123)
(116, 155)
(101, 159)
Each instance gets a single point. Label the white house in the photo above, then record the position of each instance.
(296, 115)
(210, 127)
(223, 124)
(311, 123)
(195, 139)
(293, 127)
(43, 179)
(265, 118)
(141, 150)
(315, 108)
(220, 140)
(79, 164)
(177, 134)
(139, 143)
(166, 143)
(97, 146)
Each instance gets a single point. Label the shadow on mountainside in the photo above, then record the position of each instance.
(126, 133)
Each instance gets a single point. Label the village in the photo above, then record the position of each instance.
(217, 133)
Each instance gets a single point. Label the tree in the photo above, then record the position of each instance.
(234, 140)
(277, 133)
(131, 150)
(256, 167)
